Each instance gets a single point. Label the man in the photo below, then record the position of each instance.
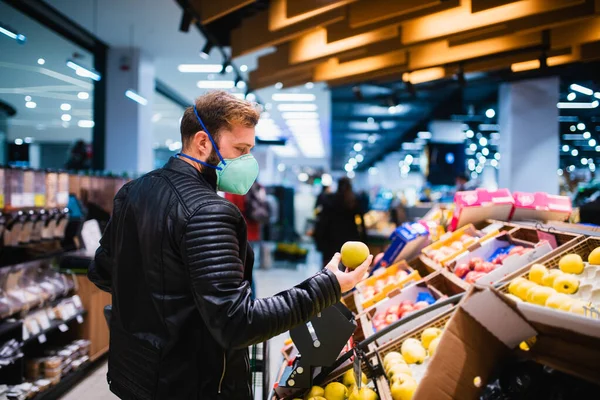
(176, 260)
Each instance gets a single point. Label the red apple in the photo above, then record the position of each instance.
(473, 276)
(419, 305)
(393, 309)
(461, 270)
(405, 308)
(515, 250)
(400, 275)
(391, 318)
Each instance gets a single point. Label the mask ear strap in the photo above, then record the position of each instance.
(209, 136)
(198, 161)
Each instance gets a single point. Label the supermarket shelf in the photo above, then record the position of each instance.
(53, 327)
(66, 383)
(8, 326)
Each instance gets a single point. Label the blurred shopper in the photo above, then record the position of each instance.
(337, 222)
(79, 159)
(176, 259)
(325, 191)
(461, 182)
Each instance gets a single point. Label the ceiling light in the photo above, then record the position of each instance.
(348, 167)
(497, 156)
(587, 135)
(525, 66)
(83, 95)
(485, 151)
(581, 89)
(565, 148)
(479, 169)
(136, 97)
(243, 68)
(351, 174)
(559, 172)
(200, 68)
(353, 162)
(572, 128)
(404, 170)
(592, 167)
(293, 97)
(297, 107)
(598, 149)
(83, 71)
(65, 107)
(360, 158)
(309, 85)
(41, 61)
(593, 104)
(358, 147)
(251, 97)
(409, 159)
(85, 123)
(574, 152)
(372, 139)
(424, 135)
(584, 161)
(303, 123)
(472, 166)
(300, 115)
(281, 167)
(66, 117)
(483, 141)
(490, 113)
(27, 98)
(473, 146)
(597, 95)
(474, 175)
(278, 85)
(13, 35)
(18, 141)
(392, 109)
(470, 134)
(494, 163)
(31, 104)
(571, 96)
(229, 69)
(571, 168)
(215, 84)
(205, 52)
(28, 139)
(156, 117)
(581, 126)
(240, 85)
(370, 120)
(373, 171)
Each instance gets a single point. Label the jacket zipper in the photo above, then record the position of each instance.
(223, 374)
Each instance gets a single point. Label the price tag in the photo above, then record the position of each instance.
(34, 328)
(63, 328)
(42, 338)
(80, 319)
(43, 321)
(51, 314)
(25, 333)
(549, 237)
(77, 301)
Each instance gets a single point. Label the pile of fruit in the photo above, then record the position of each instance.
(477, 267)
(569, 288)
(289, 251)
(370, 291)
(439, 255)
(397, 365)
(345, 390)
(397, 311)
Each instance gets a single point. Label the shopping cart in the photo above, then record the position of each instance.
(259, 366)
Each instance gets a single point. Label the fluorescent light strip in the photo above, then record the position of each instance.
(300, 115)
(200, 68)
(297, 107)
(85, 123)
(293, 97)
(136, 97)
(302, 123)
(581, 89)
(285, 151)
(216, 84)
(593, 104)
(82, 71)
(597, 95)
(13, 35)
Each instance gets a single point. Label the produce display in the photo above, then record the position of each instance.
(477, 267)
(571, 288)
(398, 311)
(344, 390)
(369, 291)
(403, 369)
(445, 252)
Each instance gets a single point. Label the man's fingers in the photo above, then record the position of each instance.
(362, 268)
(335, 261)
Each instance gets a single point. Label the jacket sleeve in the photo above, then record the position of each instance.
(100, 270)
(211, 251)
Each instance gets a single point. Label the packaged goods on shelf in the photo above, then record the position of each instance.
(479, 205)
(406, 242)
(541, 207)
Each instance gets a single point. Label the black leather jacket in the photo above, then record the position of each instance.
(176, 260)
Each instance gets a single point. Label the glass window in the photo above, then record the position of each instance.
(166, 118)
(49, 82)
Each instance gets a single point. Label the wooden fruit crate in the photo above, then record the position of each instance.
(583, 248)
(563, 239)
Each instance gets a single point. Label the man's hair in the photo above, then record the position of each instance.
(219, 110)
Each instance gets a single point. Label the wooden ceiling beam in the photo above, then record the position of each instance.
(296, 8)
(333, 69)
(367, 12)
(576, 33)
(254, 33)
(210, 10)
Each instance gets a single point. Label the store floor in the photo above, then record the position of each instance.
(280, 276)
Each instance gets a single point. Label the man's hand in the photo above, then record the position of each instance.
(348, 279)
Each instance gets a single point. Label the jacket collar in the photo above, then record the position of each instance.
(208, 176)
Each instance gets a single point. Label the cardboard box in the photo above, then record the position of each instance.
(479, 205)
(510, 264)
(487, 329)
(383, 275)
(541, 206)
(406, 242)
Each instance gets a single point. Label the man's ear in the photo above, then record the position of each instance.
(202, 142)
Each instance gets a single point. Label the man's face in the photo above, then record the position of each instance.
(233, 143)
